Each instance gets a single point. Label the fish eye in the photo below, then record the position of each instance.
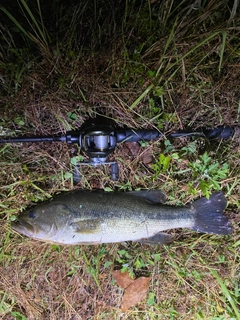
(32, 215)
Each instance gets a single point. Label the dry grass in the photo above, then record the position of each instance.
(180, 52)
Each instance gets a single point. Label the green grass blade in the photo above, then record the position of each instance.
(224, 37)
(40, 33)
(91, 270)
(145, 92)
(16, 22)
(226, 293)
(189, 53)
(169, 40)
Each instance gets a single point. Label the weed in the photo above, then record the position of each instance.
(162, 164)
(207, 175)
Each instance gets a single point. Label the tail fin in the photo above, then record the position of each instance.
(209, 215)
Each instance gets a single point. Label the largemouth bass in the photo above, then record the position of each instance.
(94, 217)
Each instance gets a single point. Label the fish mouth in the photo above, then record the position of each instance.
(23, 227)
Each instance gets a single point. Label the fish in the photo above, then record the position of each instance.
(96, 217)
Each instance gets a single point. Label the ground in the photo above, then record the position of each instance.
(154, 65)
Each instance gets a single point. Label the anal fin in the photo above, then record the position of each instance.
(158, 238)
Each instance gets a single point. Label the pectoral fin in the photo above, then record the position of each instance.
(86, 226)
(158, 238)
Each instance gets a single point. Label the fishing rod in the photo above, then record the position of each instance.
(99, 141)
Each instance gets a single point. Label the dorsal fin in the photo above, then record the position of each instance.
(153, 196)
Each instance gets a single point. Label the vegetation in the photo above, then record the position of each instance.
(166, 65)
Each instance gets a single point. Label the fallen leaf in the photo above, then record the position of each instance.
(123, 279)
(135, 293)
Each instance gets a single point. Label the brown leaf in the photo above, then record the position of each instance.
(123, 279)
(135, 293)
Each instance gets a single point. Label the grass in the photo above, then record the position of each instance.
(166, 65)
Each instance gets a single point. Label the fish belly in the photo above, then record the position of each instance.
(119, 229)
